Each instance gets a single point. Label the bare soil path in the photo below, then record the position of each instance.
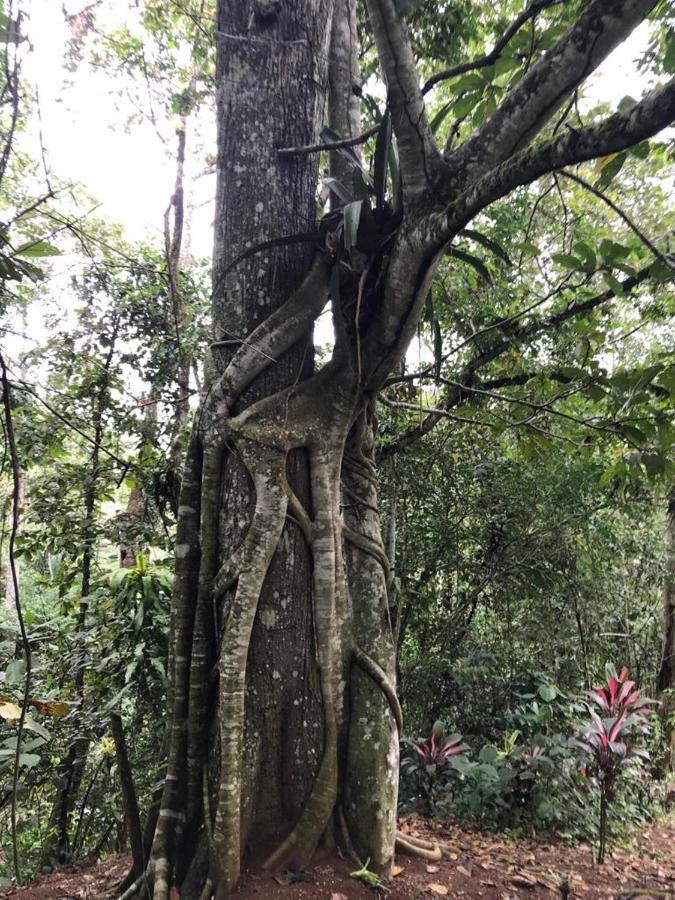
(474, 865)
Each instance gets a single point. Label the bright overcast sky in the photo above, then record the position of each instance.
(130, 173)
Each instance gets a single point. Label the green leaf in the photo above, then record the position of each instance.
(613, 283)
(547, 692)
(506, 64)
(634, 435)
(465, 104)
(567, 261)
(29, 760)
(587, 254)
(471, 82)
(31, 725)
(528, 248)
(669, 56)
(15, 671)
(654, 463)
(611, 170)
(613, 252)
(328, 136)
(338, 188)
(440, 116)
(488, 754)
(37, 248)
(487, 242)
(660, 272)
(471, 260)
(351, 218)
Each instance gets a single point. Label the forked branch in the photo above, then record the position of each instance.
(542, 90)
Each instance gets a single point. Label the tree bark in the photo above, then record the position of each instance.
(129, 801)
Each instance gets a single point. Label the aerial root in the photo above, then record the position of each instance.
(347, 840)
(371, 548)
(298, 513)
(381, 678)
(413, 846)
(161, 879)
(137, 888)
(207, 890)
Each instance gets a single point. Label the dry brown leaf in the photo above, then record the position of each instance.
(432, 869)
(396, 870)
(55, 708)
(465, 867)
(439, 889)
(9, 711)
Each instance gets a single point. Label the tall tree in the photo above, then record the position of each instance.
(666, 678)
(284, 721)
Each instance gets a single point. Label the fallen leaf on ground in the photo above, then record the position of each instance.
(432, 869)
(523, 880)
(396, 870)
(465, 867)
(439, 889)
(335, 896)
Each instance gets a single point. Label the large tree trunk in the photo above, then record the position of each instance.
(284, 729)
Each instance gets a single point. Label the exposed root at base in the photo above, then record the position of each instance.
(418, 847)
(346, 839)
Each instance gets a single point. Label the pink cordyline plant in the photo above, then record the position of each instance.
(436, 751)
(607, 740)
(431, 756)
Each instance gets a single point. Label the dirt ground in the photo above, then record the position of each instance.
(474, 865)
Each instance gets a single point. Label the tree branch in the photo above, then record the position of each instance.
(333, 145)
(618, 132)
(622, 215)
(490, 58)
(419, 156)
(509, 338)
(530, 104)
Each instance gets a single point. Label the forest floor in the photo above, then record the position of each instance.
(474, 865)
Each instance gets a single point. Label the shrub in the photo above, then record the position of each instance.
(608, 742)
(426, 765)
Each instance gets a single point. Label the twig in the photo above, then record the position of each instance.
(16, 496)
(334, 145)
(665, 259)
(484, 61)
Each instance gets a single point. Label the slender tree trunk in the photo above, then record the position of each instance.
(71, 768)
(129, 801)
(666, 677)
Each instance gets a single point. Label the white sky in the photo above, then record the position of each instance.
(130, 173)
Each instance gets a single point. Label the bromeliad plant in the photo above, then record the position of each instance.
(427, 763)
(608, 740)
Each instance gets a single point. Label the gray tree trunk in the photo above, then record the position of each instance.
(284, 722)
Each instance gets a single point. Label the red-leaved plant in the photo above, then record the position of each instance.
(429, 759)
(608, 740)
